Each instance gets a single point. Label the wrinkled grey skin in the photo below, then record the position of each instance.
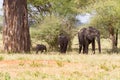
(63, 42)
(40, 47)
(87, 36)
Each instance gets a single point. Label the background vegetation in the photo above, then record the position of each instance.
(104, 16)
(48, 18)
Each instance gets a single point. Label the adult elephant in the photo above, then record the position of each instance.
(63, 42)
(87, 36)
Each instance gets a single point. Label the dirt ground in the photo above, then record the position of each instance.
(15, 67)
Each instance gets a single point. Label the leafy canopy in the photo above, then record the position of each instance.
(106, 14)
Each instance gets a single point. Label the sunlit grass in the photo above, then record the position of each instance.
(65, 67)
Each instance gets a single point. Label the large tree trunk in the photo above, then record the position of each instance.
(16, 37)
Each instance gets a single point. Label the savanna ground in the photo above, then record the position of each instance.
(55, 66)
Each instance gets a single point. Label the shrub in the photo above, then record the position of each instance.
(50, 28)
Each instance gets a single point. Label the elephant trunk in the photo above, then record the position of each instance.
(99, 44)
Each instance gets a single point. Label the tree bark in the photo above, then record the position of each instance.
(116, 38)
(113, 37)
(16, 37)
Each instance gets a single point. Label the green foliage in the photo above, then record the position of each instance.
(64, 7)
(107, 13)
(37, 2)
(64, 12)
(38, 9)
(61, 7)
(49, 29)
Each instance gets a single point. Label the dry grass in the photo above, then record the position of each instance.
(60, 67)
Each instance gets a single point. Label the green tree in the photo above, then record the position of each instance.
(46, 10)
(39, 8)
(107, 18)
(50, 28)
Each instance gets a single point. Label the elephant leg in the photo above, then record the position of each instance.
(37, 51)
(65, 48)
(83, 49)
(61, 48)
(86, 47)
(80, 48)
(86, 51)
(42, 51)
(93, 46)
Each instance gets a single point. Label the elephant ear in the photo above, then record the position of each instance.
(90, 34)
(89, 37)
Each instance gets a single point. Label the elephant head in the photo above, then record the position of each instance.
(94, 33)
(87, 36)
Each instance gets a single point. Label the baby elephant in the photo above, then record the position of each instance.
(40, 47)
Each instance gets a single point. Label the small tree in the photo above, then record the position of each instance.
(16, 37)
(51, 27)
(107, 19)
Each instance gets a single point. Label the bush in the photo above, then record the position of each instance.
(50, 28)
